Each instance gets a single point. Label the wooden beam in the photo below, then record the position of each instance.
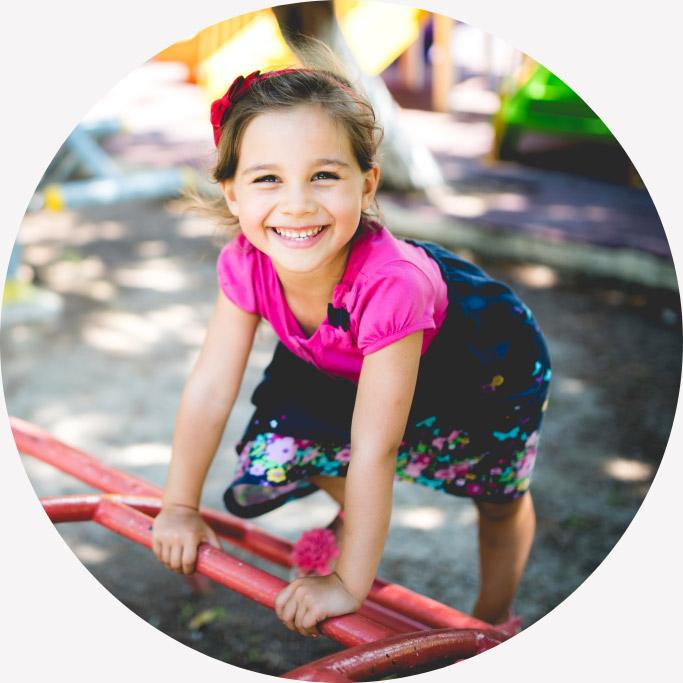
(442, 63)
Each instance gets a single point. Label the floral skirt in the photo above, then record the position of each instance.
(474, 425)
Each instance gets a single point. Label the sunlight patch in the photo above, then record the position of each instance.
(425, 518)
(160, 275)
(122, 333)
(143, 454)
(536, 276)
(570, 385)
(625, 469)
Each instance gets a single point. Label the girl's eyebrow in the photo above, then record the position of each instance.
(258, 167)
(331, 162)
(267, 167)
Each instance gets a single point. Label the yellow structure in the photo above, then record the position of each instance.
(377, 33)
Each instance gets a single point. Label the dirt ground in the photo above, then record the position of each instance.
(138, 284)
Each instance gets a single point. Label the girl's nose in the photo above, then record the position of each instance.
(297, 200)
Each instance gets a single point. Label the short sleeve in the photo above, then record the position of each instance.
(394, 303)
(235, 271)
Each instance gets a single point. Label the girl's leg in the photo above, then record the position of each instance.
(506, 533)
(332, 485)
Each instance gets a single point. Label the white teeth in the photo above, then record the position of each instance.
(299, 235)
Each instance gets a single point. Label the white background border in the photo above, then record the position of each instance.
(60, 58)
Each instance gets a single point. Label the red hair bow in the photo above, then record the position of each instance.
(220, 107)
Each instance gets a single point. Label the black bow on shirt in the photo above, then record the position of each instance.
(338, 317)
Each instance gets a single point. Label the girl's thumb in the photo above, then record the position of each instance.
(213, 539)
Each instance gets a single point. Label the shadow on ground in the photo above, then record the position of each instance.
(138, 284)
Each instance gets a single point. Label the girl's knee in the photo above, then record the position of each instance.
(502, 511)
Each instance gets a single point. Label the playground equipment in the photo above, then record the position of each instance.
(270, 39)
(396, 632)
(82, 174)
(253, 41)
(539, 101)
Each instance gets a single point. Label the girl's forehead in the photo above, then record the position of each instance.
(309, 113)
(306, 130)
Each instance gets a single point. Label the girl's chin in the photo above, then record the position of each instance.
(295, 265)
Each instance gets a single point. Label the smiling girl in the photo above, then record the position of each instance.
(397, 359)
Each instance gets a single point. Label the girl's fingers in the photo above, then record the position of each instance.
(283, 598)
(300, 619)
(175, 558)
(305, 620)
(166, 554)
(301, 610)
(288, 613)
(310, 623)
(213, 539)
(189, 557)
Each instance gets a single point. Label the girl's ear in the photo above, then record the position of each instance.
(370, 183)
(228, 190)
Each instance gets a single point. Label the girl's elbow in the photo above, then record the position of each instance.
(381, 452)
(206, 395)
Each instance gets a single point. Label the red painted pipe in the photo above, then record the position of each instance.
(422, 608)
(387, 616)
(80, 508)
(402, 654)
(408, 610)
(382, 652)
(34, 441)
(112, 512)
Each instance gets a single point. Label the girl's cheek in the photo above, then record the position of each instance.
(260, 202)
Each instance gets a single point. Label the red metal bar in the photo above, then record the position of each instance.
(422, 608)
(381, 651)
(407, 609)
(387, 616)
(80, 508)
(398, 654)
(112, 512)
(34, 441)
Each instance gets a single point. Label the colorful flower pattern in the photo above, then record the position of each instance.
(453, 463)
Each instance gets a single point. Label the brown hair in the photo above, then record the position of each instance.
(321, 82)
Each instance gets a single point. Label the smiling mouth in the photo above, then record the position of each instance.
(300, 235)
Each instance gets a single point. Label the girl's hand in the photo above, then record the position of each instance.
(308, 600)
(176, 533)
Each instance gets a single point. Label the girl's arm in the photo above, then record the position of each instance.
(383, 400)
(205, 405)
(385, 394)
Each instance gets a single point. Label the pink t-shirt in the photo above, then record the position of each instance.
(390, 289)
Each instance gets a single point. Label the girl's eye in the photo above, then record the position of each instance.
(266, 179)
(325, 175)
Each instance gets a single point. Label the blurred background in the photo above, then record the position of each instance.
(111, 283)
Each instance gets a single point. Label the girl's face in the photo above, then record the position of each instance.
(298, 190)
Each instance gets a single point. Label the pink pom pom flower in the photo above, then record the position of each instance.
(314, 551)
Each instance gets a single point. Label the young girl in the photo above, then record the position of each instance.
(397, 359)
